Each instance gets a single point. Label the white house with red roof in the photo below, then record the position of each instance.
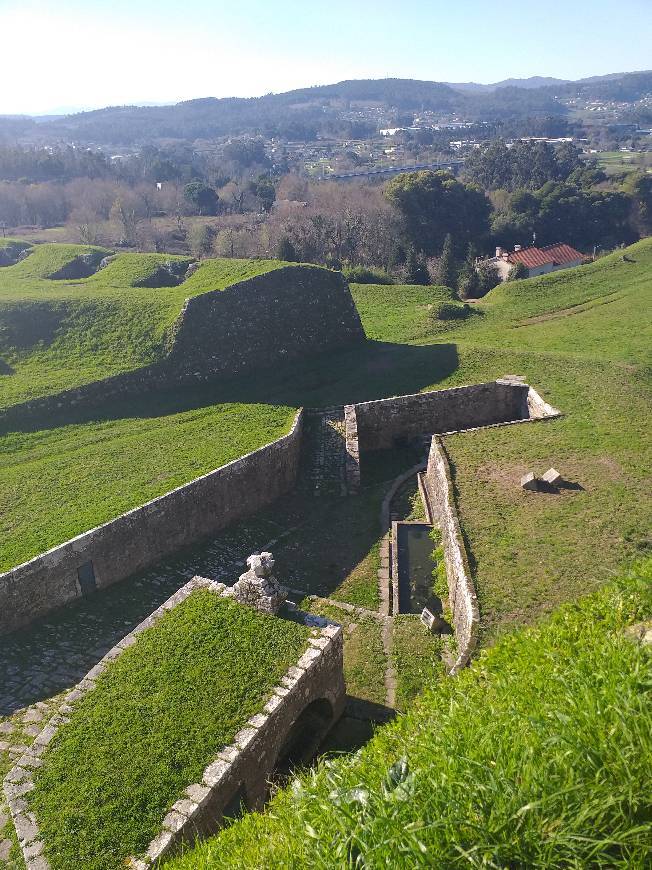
(537, 261)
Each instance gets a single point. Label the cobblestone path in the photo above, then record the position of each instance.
(324, 470)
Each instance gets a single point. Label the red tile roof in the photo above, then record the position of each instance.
(533, 257)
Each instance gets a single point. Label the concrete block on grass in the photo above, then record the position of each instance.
(529, 482)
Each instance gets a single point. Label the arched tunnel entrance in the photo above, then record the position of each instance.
(303, 738)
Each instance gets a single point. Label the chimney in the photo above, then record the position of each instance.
(517, 247)
(499, 253)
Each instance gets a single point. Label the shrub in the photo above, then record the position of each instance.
(363, 275)
(451, 311)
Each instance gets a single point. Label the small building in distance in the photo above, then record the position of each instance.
(537, 261)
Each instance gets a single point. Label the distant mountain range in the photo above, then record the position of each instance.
(535, 82)
(337, 109)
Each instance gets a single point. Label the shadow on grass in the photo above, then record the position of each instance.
(372, 370)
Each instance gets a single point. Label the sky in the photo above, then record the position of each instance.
(79, 54)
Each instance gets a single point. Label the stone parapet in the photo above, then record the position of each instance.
(383, 423)
(352, 450)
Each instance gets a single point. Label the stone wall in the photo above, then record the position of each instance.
(143, 536)
(285, 314)
(352, 450)
(240, 771)
(461, 591)
(380, 424)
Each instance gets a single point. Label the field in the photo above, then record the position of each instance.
(618, 162)
(581, 337)
(574, 686)
(58, 482)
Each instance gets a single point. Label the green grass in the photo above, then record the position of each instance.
(56, 483)
(60, 334)
(537, 756)
(407, 311)
(581, 336)
(364, 657)
(158, 716)
(416, 656)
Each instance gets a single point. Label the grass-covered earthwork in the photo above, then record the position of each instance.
(157, 718)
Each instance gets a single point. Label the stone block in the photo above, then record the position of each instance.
(26, 828)
(229, 753)
(552, 477)
(245, 736)
(529, 482)
(198, 793)
(216, 772)
(160, 845)
(174, 822)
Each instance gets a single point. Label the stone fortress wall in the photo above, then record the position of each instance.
(285, 314)
(143, 536)
(380, 424)
(384, 423)
(462, 598)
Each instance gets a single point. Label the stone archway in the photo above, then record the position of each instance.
(303, 738)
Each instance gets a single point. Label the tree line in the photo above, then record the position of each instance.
(419, 227)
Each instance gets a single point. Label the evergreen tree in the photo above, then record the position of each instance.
(446, 269)
(468, 283)
(286, 251)
(416, 271)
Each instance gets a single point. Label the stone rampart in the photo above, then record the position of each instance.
(383, 423)
(141, 537)
(463, 600)
(285, 314)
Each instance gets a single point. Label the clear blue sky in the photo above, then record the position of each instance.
(101, 52)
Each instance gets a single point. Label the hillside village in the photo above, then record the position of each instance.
(324, 470)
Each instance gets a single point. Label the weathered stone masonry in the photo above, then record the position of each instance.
(285, 314)
(462, 598)
(380, 424)
(240, 772)
(141, 537)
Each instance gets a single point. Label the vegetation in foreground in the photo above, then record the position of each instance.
(181, 692)
(537, 756)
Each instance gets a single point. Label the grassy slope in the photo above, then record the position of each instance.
(56, 483)
(364, 658)
(158, 716)
(59, 334)
(570, 358)
(582, 337)
(537, 756)
(404, 311)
